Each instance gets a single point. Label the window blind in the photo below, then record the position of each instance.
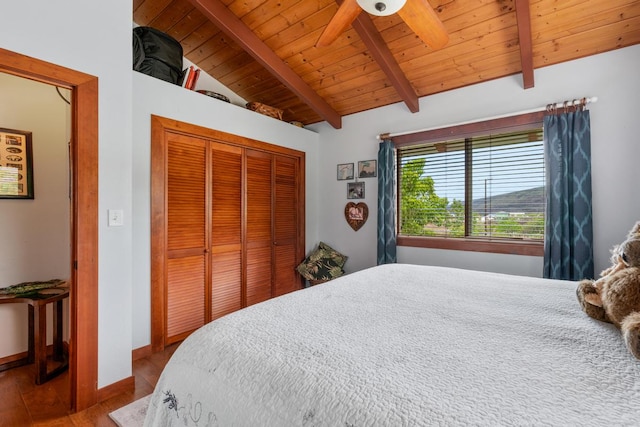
(487, 186)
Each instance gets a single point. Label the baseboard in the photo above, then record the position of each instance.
(139, 353)
(13, 358)
(14, 361)
(127, 385)
(6, 360)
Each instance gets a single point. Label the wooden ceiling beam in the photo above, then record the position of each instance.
(523, 17)
(229, 23)
(382, 55)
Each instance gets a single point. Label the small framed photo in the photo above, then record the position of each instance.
(367, 168)
(355, 190)
(345, 171)
(16, 169)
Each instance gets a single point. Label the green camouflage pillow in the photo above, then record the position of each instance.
(323, 264)
(329, 252)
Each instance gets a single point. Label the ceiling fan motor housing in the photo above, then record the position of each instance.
(381, 7)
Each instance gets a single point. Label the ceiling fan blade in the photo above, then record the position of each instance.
(424, 21)
(346, 14)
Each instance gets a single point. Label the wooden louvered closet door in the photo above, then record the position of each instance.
(226, 229)
(258, 225)
(186, 238)
(286, 223)
(227, 226)
(272, 225)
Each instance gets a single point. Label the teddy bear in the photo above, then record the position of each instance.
(615, 296)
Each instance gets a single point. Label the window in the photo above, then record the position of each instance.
(475, 187)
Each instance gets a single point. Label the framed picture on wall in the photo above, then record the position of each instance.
(355, 190)
(367, 168)
(345, 171)
(16, 168)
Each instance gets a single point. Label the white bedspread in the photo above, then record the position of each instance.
(405, 345)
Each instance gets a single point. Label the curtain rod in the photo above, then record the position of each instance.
(590, 100)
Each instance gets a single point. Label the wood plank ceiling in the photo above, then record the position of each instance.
(264, 50)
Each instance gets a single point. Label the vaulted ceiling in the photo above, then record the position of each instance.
(265, 50)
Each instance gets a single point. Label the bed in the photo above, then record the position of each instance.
(405, 345)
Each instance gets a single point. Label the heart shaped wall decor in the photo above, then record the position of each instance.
(356, 214)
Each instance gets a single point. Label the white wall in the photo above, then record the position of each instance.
(35, 233)
(153, 96)
(67, 33)
(612, 77)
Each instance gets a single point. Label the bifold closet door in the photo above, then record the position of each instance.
(286, 223)
(186, 238)
(226, 229)
(227, 225)
(258, 241)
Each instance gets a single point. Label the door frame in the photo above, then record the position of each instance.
(83, 299)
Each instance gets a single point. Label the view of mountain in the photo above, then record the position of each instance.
(527, 201)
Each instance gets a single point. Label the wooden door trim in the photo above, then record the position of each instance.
(302, 219)
(83, 301)
(219, 136)
(159, 127)
(158, 232)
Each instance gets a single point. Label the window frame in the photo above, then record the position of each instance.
(468, 130)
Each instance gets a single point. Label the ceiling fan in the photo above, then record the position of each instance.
(417, 14)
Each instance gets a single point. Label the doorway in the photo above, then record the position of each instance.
(83, 301)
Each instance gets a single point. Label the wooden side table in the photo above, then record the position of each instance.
(37, 351)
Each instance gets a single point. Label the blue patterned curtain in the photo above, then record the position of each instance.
(568, 248)
(386, 203)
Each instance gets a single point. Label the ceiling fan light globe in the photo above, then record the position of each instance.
(381, 7)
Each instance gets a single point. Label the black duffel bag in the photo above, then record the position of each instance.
(157, 54)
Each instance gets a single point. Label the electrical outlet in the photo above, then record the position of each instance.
(116, 217)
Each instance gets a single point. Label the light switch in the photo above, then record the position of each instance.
(116, 217)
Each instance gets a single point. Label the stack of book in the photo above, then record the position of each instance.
(190, 77)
